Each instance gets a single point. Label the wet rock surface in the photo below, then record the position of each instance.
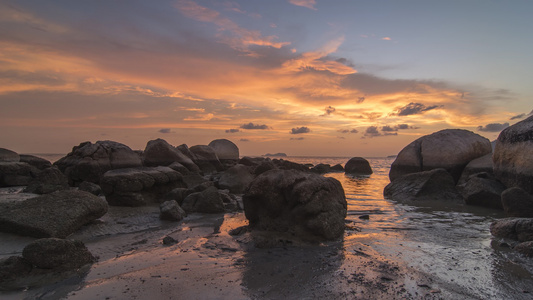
(307, 205)
(58, 214)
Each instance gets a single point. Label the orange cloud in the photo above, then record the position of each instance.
(305, 3)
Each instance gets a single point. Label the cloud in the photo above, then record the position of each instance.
(297, 139)
(165, 130)
(413, 109)
(493, 127)
(299, 130)
(386, 38)
(360, 99)
(305, 3)
(232, 130)
(244, 140)
(372, 132)
(254, 126)
(388, 128)
(521, 116)
(348, 130)
(329, 110)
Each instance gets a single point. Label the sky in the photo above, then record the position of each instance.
(303, 77)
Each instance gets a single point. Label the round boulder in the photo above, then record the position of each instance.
(513, 163)
(53, 253)
(358, 166)
(309, 206)
(450, 149)
(226, 151)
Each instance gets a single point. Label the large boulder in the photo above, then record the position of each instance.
(483, 189)
(59, 254)
(436, 185)
(7, 155)
(450, 149)
(481, 164)
(517, 203)
(310, 206)
(519, 229)
(16, 173)
(513, 163)
(160, 153)
(88, 162)
(39, 163)
(358, 166)
(52, 215)
(139, 186)
(226, 151)
(206, 159)
(48, 181)
(236, 179)
(207, 201)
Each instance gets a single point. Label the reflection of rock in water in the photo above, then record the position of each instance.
(278, 273)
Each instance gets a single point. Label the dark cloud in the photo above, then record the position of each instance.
(297, 139)
(493, 127)
(413, 109)
(387, 128)
(299, 130)
(520, 116)
(244, 140)
(348, 130)
(232, 130)
(254, 126)
(165, 130)
(373, 131)
(360, 99)
(341, 137)
(329, 110)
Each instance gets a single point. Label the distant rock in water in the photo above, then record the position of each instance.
(88, 162)
(450, 149)
(358, 166)
(308, 206)
(513, 155)
(276, 154)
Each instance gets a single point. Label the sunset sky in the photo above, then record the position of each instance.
(304, 77)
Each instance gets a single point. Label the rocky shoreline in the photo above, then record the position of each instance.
(284, 203)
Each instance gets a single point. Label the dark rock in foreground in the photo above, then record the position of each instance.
(483, 189)
(513, 163)
(435, 185)
(139, 186)
(519, 229)
(88, 162)
(479, 165)
(206, 159)
(450, 149)
(16, 173)
(13, 268)
(48, 181)
(207, 201)
(236, 179)
(517, 203)
(58, 214)
(39, 163)
(170, 210)
(53, 253)
(358, 166)
(7, 155)
(309, 206)
(90, 187)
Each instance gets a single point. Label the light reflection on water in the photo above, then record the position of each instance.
(451, 245)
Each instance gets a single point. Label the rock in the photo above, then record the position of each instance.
(183, 148)
(168, 240)
(176, 166)
(358, 166)
(337, 168)
(517, 203)
(39, 163)
(310, 206)
(321, 169)
(170, 210)
(450, 149)
(206, 159)
(177, 195)
(88, 162)
(483, 189)
(289, 165)
(519, 229)
(525, 248)
(14, 267)
(513, 163)
(193, 180)
(53, 253)
(7, 155)
(236, 179)
(479, 165)
(16, 173)
(58, 214)
(160, 153)
(207, 201)
(90, 187)
(48, 181)
(251, 161)
(435, 185)
(139, 186)
(226, 151)
(264, 166)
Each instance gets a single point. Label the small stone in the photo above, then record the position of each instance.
(364, 217)
(168, 240)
